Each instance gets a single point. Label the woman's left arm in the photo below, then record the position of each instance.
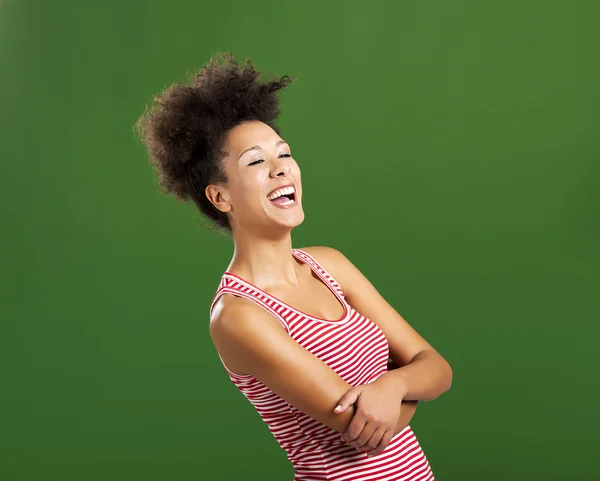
(423, 374)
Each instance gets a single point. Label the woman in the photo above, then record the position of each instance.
(301, 332)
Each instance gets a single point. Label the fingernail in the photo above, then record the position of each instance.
(337, 408)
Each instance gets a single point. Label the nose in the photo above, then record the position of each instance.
(280, 168)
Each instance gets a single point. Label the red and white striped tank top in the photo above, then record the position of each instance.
(357, 350)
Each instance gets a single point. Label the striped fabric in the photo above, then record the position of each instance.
(357, 350)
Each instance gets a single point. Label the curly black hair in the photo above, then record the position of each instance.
(184, 128)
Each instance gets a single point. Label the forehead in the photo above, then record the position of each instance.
(249, 134)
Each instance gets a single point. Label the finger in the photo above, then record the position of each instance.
(383, 443)
(364, 436)
(354, 428)
(347, 400)
(374, 440)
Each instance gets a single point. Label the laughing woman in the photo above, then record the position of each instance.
(301, 332)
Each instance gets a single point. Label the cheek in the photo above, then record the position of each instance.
(296, 172)
(247, 193)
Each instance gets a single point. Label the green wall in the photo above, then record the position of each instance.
(449, 149)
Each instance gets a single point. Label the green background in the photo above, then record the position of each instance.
(449, 149)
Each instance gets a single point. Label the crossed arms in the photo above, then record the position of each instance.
(251, 341)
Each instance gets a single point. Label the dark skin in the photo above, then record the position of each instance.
(251, 341)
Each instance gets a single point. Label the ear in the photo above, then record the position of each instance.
(218, 196)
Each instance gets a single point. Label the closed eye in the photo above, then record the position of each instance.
(258, 161)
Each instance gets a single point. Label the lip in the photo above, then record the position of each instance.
(289, 206)
(281, 187)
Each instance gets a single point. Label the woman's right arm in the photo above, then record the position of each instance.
(251, 341)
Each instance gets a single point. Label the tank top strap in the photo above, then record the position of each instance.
(320, 269)
(236, 286)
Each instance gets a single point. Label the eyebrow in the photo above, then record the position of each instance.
(256, 147)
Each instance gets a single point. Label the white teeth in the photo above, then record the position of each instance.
(280, 192)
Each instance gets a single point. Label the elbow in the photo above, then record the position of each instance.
(438, 374)
(447, 377)
(444, 381)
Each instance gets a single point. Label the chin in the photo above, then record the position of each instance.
(295, 222)
(292, 221)
(300, 221)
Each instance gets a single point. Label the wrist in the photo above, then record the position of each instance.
(396, 381)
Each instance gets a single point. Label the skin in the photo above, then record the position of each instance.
(251, 341)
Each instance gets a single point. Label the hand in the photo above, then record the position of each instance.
(378, 407)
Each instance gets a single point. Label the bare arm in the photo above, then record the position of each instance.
(251, 341)
(423, 373)
(409, 408)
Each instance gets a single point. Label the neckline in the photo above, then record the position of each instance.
(292, 308)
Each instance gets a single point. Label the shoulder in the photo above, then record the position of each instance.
(325, 255)
(332, 260)
(235, 318)
(244, 334)
(335, 263)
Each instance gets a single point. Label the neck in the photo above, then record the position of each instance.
(264, 261)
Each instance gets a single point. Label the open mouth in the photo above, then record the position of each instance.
(284, 196)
